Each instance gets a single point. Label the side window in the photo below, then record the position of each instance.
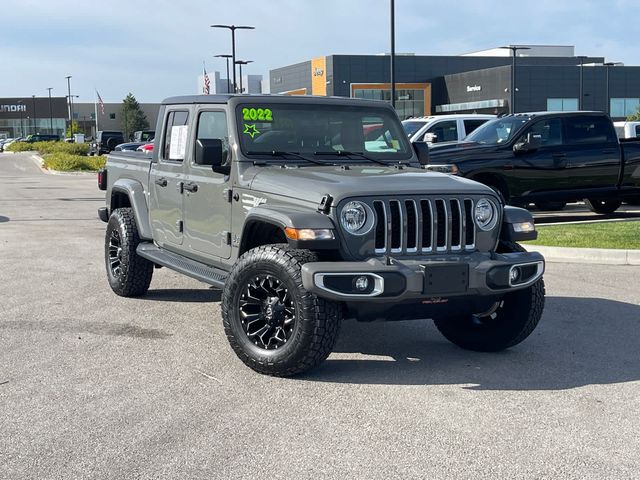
(550, 132)
(214, 125)
(582, 130)
(445, 131)
(175, 135)
(471, 125)
(637, 131)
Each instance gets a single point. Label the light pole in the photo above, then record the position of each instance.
(581, 99)
(393, 54)
(233, 29)
(227, 57)
(35, 117)
(68, 77)
(242, 62)
(21, 102)
(607, 65)
(50, 111)
(514, 49)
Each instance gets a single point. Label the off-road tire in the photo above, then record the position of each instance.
(550, 206)
(633, 200)
(602, 206)
(516, 317)
(133, 277)
(317, 321)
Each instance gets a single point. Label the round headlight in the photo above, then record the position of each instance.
(485, 214)
(353, 217)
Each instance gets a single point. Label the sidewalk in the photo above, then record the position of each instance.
(600, 256)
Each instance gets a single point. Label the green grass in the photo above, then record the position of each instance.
(66, 162)
(616, 235)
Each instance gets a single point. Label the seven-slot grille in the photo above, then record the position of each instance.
(428, 225)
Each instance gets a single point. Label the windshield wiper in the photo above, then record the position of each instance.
(282, 153)
(346, 153)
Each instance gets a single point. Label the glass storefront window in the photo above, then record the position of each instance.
(409, 102)
(623, 107)
(562, 104)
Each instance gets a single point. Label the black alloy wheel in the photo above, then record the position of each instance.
(267, 311)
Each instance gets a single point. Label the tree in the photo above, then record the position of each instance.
(133, 118)
(636, 116)
(76, 129)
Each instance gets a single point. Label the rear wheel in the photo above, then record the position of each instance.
(550, 206)
(597, 205)
(129, 274)
(509, 322)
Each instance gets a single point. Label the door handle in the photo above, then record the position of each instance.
(161, 181)
(507, 166)
(559, 155)
(608, 151)
(191, 187)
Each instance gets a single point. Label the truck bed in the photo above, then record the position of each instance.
(131, 165)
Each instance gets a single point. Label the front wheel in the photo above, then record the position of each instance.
(509, 322)
(597, 205)
(272, 323)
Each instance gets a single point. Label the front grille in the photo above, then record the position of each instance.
(428, 225)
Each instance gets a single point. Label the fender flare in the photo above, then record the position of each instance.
(136, 194)
(290, 217)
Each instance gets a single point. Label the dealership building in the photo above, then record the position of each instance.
(546, 78)
(22, 116)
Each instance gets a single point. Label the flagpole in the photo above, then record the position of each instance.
(95, 108)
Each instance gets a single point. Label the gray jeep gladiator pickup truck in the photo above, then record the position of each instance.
(303, 218)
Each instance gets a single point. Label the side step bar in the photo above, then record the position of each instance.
(192, 268)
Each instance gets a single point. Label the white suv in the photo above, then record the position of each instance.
(443, 128)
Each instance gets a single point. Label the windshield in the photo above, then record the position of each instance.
(497, 131)
(411, 126)
(321, 129)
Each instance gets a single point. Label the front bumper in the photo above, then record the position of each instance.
(448, 276)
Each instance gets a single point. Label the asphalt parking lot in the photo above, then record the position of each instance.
(97, 386)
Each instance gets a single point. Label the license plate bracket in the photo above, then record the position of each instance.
(446, 279)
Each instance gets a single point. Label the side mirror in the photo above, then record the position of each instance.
(422, 151)
(533, 142)
(209, 152)
(431, 138)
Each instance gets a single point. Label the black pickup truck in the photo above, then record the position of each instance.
(548, 158)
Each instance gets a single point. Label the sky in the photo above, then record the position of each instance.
(156, 49)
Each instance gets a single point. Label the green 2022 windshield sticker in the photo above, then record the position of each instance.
(257, 114)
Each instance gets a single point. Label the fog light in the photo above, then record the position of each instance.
(514, 275)
(361, 283)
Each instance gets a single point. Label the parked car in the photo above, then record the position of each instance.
(308, 228)
(41, 137)
(548, 158)
(627, 129)
(146, 147)
(105, 141)
(144, 136)
(443, 128)
(8, 142)
(128, 147)
(3, 142)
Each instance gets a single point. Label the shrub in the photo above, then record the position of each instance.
(50, 147)
(61, 147)
(20, 147)
(66, 162)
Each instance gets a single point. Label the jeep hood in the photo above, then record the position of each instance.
(312, 183)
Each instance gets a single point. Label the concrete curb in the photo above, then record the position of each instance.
(599, 256)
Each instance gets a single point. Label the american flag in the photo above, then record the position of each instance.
(207, 83)
(100, 102)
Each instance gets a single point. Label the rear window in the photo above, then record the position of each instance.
(582, 130)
